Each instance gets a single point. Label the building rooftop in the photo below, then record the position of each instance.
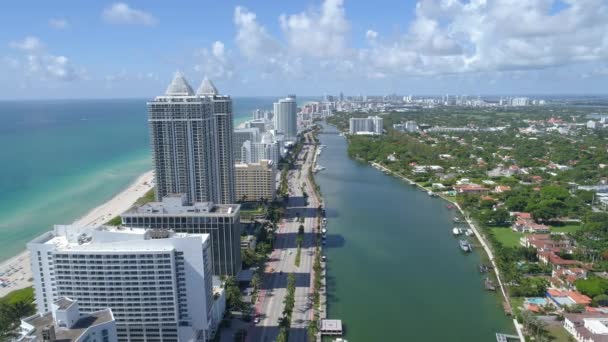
(207, 88)
(592, 326)
(112, 238)
(176, 205)
(33, 326)
(179, 86)
(63, 303)
(331, 326)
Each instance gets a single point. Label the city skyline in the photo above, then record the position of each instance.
(65, 50)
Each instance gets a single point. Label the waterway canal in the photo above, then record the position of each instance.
(395, 272)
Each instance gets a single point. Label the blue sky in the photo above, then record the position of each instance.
(108, 49)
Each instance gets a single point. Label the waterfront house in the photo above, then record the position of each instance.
(553, 259)
(529, 226)
(547, 242)
(564, 278)
(470, 189)
(567, 298)
(525, 224)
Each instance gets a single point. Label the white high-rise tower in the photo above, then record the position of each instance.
(285, 116)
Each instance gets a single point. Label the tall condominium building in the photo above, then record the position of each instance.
(191, 139)
(156, 282)
(285, 119)
(372, 125)
(267, 148)
(221, 221)
(241, 135)
(255, 181)
(66, 323)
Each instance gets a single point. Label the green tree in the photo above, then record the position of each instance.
(592, 286)
(517, 203)
(234, 298)
(601, 300)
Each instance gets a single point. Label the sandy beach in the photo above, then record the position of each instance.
(16, 273)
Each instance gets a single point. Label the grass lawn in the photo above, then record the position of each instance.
(506, 236)
(146, 198)
(559, 333)
(571, 228)
(516, 304)
(23, 295)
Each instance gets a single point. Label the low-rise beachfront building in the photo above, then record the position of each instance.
(587, 327)
(255, 181)
(157, 283)
(221, 221)
(66, 323)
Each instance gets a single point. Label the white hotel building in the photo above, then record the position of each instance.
(156, 282)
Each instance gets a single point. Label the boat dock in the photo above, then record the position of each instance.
(506, 338)
(331, 327)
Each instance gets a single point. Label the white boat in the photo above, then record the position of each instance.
(324, 230)
(469, 232)
(432, 194)
(456, 231)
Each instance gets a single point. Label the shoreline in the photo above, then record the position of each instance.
(478, 235)
(20, 263)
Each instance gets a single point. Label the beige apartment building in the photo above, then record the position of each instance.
(255, 181)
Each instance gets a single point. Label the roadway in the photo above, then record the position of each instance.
(282, 260)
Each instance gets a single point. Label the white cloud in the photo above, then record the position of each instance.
(454, 36)
(215, 62)
(371, 35)
(29, 43)
(252, 39)
(445, 37)
(36, 62)
(317, 33)
(265, 52)
(121, 13)
(58, 23)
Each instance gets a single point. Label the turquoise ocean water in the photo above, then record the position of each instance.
(61, 158)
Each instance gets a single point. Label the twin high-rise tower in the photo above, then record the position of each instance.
(191, 138)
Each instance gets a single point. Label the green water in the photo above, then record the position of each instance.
(395, 272)
(59, 159)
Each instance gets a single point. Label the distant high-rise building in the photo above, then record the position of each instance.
(285, 116)
(156, 282)
(372, 125)
(191, 138)
(241, 135)
(268, 148)
(520, 101)
(258, 114)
